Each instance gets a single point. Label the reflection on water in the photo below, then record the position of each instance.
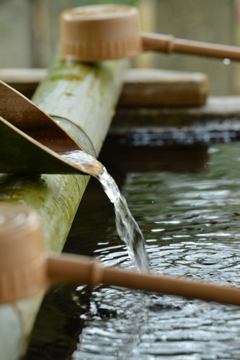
(191, 222)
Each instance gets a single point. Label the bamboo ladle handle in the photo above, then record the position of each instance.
(169, 44)
(83, 270)
(28, 271)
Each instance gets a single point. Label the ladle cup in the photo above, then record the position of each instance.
(26, 270)
(101, 32)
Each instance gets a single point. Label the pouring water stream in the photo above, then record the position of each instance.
(127, 227)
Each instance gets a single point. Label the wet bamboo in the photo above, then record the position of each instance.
(87, 96)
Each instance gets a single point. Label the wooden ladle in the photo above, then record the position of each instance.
(100, 32)
(33, 271)
(31, 141)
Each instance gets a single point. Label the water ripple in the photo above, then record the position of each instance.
(191, 223)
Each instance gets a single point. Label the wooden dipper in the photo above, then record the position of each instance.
(25, 269)
(101, 32)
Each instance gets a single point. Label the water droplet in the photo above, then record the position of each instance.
(226, 61)
(212, 150)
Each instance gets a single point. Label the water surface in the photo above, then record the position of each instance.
(191, 223)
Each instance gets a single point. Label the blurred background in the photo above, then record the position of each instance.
(29, 34)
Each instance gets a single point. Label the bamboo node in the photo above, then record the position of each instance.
(95, 273)
(170, 44)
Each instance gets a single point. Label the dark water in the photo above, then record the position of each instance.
(186, 200)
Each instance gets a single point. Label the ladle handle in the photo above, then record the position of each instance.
(83, 270)
(168, 44)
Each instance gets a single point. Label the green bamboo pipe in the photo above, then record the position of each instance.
(85, 95)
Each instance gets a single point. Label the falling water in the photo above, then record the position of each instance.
(127, 227)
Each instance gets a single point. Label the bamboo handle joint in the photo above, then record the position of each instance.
(95, 273)
(170, 44)
(157, 42)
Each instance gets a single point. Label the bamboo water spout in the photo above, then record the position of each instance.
(49, 150)
(33, 271)
(100, 32)
(32, 143)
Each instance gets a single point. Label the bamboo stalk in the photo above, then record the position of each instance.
(87, 96)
